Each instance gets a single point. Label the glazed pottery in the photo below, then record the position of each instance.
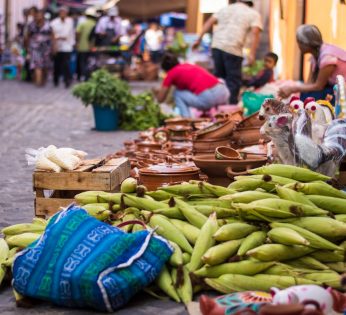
(291, 309)
(163, 174)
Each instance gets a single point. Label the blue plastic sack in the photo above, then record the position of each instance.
(82, 262)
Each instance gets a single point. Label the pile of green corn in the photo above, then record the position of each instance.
(280, 226)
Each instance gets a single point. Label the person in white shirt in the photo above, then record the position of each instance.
(64, 40)
(153, 41)
(108, 29)
(234, 23)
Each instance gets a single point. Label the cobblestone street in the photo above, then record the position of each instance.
(32, 117)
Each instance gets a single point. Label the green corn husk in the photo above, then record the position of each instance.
(278, 252)
(332, 204)
(315, 240)
(245, 267)
(253, 240)
(289, 171)
(247, 196)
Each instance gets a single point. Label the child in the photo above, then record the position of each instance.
(267, 74)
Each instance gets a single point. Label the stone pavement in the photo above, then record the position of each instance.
(32, 117)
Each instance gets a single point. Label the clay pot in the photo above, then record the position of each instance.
(227, 153)
(251, 121)
(209, 146)
(179, 133)
(147, 146)
(178, 121)
(184, 147)
(217, 130)
(160, 175)
(242, 137)
(223, 168)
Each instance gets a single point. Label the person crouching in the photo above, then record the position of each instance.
(195, 86)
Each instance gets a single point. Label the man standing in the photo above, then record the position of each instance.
(83, 31)
(108, 28)
(64, 40)
(234, 23)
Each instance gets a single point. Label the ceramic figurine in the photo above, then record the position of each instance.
(296, 104)
(239, 303)
(271, 106)
(330, 301)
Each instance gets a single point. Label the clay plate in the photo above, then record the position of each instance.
(222, 168)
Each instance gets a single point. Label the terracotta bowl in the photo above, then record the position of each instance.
(227, 153)
(209, 145)
(223, 168)
(217, 130)
(160, 175)
(178, 121)
(242, 137)
(251, 121)
(149, 146)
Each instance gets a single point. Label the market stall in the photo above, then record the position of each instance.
(203, 206)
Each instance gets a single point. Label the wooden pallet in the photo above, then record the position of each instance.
(91, 175)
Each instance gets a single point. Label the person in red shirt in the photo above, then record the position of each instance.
(195, 86)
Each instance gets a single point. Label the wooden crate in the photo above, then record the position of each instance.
(91, 175)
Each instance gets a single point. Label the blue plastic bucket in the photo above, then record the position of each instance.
(106, 119)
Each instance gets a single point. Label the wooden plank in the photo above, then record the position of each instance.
(122, 172)
(49, 206)
(72, 181)
(87, 165)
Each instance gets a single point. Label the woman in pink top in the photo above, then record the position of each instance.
(326, 63)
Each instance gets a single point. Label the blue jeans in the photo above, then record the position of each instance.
(217, 95)
(228, 67)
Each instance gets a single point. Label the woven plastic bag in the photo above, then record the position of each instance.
(82, 262)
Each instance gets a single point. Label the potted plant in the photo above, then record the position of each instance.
(107, 94)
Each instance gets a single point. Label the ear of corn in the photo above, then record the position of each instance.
(325, 227)
(287, 236)
(253, 240)
(186, 258)
(23, 228)
(234, 231)
(165, 283)
(191, 214)
(250, 184)
(245, 267)
(220, 212)
(332, 204)
(184, 289)
(159, 195)
(184, 189)
(248, 196)
(169, 231)
(190, 232)
(173, 213)
(307, 262)
(217, 190)
(292, 195)
(203, 243)
(278, 252)
(318, 188)
(220, 253)
(328, 256)
(143, 203)
(273, 179)
(315, 240)
(4, 250)
(176, 259)
(22, 240)
(289, 171)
